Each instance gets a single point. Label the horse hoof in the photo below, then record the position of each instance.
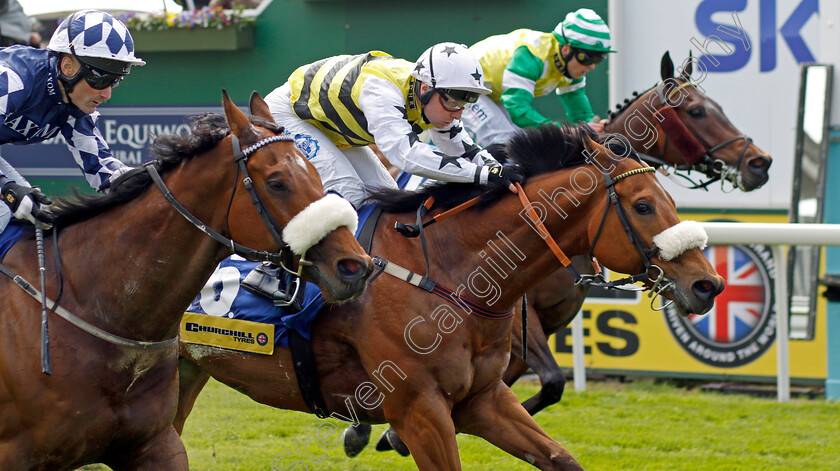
(355, 438)
(391, 441)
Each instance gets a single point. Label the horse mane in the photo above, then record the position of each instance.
(621, 107)
(540, 150)
(170, 150)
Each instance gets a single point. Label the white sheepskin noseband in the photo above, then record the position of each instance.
(675, 240)
(317, 220)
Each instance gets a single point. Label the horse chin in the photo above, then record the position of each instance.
(747, 182)
(688, 305)
(333, 290)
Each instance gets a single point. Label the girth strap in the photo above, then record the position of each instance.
(307, 374)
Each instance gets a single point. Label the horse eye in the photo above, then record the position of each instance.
(642, 208)
(697, 112)
(277, 185)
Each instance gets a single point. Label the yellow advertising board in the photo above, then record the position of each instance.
(735, 340)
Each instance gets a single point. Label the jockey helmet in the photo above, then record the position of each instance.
(101, 43)
(584, 29)
(452, 70)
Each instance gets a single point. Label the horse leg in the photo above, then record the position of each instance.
(191, 380)
(497, 416)
(540, 359)
(165, 452)
(426, 428)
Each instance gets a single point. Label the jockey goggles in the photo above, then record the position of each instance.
(586, 57)
(456, 100)
(97, 78)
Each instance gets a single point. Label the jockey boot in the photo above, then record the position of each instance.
(273, 282)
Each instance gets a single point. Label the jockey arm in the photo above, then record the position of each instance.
(384, 108)
(518, 84)
(575, 101)
(90, 151)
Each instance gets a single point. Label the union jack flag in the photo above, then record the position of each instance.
(738, 309)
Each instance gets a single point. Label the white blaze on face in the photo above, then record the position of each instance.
(300, 161)
(675, 240)
(317, 220)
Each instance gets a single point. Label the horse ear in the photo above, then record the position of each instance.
(666, 67)
(593, 149)
(686, 73)
(259, 107)
(235, 117)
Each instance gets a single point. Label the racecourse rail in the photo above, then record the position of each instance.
(776, 235)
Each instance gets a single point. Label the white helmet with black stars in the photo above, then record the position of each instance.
(450, 68)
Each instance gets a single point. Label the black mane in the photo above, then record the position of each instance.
(537, 150)
(621, 107)
(170, 150)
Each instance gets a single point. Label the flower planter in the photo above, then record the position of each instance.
(196, 39)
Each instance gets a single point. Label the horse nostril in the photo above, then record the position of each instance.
(705, 289)
(350, 269)
(759, 164)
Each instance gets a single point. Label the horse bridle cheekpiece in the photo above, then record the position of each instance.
(696, 155)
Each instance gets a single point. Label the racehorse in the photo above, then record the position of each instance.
(673, 125)
(664, 125)
(429, 359)
(130, 263)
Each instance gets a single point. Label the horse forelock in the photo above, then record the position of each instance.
(171, 150)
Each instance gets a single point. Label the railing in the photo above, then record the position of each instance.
(729, 233)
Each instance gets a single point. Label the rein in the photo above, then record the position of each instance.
(240, 158)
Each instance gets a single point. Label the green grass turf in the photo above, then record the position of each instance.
(610, 426)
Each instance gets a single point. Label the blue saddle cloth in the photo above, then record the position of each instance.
(13, 233)
(222, 295)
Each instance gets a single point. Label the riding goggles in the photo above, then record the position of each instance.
(99, 79)
(586, 57)
(456, 100)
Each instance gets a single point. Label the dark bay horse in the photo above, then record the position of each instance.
(431, 363)
(130, 265)
(664, 125)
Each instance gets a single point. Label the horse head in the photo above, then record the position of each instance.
(677, 124)
(639, 217)
(316, 230)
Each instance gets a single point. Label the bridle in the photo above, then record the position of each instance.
(697, 156)
(659, 283)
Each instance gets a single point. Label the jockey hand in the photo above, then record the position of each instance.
(598, 125)
(27, 203)
(506, 176)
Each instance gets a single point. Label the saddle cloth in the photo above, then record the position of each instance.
(224, 298)
(13, 233)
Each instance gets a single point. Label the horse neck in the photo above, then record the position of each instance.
(153, 258)
(647, 137)
(498, 246)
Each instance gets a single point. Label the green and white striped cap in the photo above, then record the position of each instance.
(584, 29)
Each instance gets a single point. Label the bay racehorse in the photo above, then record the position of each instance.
(676, 127)
(430, 360)
(673, 126)
(130, 263)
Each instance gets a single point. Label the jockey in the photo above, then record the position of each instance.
(336, 107)
(57, 90)
(525, 64)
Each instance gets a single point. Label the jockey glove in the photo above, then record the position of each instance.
(505, 175)
(26, 203)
